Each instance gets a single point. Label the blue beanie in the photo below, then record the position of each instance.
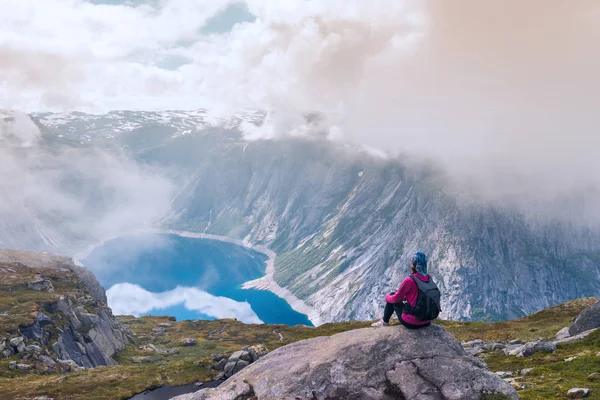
(420, 261)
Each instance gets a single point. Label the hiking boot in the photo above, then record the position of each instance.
(380, 324)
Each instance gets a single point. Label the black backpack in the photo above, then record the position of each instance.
(427, 307)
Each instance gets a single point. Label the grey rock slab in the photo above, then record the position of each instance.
(588, 319)
(573, 338)
(528, 349)
(33, 348)
(563, 333)
(18, 344)
(375, 364)
(220, 366)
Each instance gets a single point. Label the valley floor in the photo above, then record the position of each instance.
(139, 370)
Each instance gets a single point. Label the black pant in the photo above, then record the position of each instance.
(389, 310)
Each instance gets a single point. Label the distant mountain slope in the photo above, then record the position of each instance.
(343, 221)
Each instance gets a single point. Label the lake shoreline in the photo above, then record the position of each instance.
(266, 282)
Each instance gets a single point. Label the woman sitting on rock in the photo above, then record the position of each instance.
(417, 301)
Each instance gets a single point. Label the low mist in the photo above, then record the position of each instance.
(63, 194)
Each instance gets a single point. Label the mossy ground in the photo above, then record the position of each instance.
(551, 378)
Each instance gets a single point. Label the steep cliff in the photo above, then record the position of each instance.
(344, 225)
(53, 314)
(342, 221)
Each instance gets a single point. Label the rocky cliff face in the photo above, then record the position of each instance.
(343, 222)
(378, 364)
(54, 314)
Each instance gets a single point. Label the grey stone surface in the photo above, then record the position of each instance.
(573, 338)
(33, 348)
(189, 342)
(100, 338)
(563, 333)
(220, 366)
(18, 344)
(578, 393)
(159, 350)
(528, 349)
(588, 319)
(374, 364)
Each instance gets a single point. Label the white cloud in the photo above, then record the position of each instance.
(129, 299)
(502, 94)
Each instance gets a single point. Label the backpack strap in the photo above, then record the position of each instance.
(424, 286)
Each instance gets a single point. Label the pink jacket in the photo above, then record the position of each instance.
(408, 292)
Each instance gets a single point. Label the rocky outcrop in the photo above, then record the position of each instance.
(377, 364)
(530, 348)
(90, 340)
(240, 360)
(587, 320)
(73, 327)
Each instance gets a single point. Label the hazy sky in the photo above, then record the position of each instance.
(503, 93)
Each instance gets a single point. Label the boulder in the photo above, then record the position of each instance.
(220, 366)
(475, 350)
(573, 338)
(41, 285)
(494, 346)
(68, 365)
(376, 364)
(23, 367)
(46, 360)
(217, 357)
(8, 352)
(473, 343)
(256, 352)
(578, 393)
(528, 349)
(33, 349)
(189, 342)
(588, 319)
(159, 350)
(36, 331)
(594, 377)
(563, 333)
(237, 361)
(18, 344)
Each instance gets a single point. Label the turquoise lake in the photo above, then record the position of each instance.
(164, 267)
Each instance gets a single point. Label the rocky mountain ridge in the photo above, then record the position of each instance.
(342, 221)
